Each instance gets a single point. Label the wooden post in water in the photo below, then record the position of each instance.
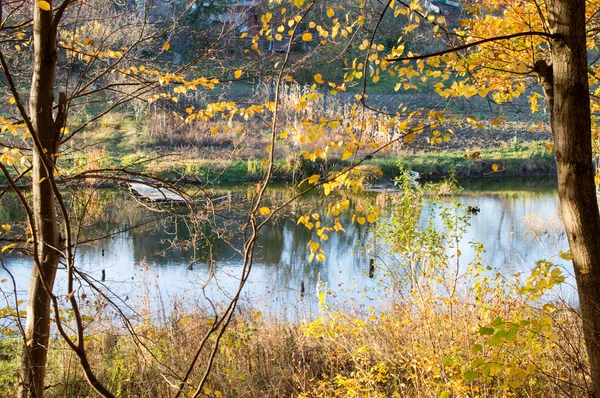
(371, 268)
(103, 275)
(302, 289)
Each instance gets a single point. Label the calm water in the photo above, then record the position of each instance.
(517, 225)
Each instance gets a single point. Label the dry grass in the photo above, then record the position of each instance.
(424, 345)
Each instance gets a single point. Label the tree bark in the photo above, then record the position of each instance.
(571, 126)
(41, 100)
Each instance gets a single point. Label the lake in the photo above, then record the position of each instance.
(517, 224)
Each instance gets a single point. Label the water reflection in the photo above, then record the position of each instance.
(517, 224)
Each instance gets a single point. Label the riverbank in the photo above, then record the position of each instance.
(463, 348)
(530, 159)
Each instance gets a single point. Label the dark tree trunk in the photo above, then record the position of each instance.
(46, 225)
(571, 126)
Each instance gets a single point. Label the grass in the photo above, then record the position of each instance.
(162, 145)
(531, 160)
(10, 349)
(405, 350)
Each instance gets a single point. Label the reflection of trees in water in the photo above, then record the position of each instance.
(522, 186)
(283, 252)
(501, 226)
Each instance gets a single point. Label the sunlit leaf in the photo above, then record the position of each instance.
(314, 178)
(44, 5)
(568, 256)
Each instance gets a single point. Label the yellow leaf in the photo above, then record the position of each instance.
(44, 5)
(237, 74)
(568, 256)
(298, 3)
(6, 227)
(371, 218)
(166, 46)
(330, 12)
(494, 168)
(12, 100)
(218, 394)
(320, 257)
(288, 79)
(360, 220)
(319, 78)
(307, 37)
(264, 211)
(5, 248)
(214, 130)
(314, 178)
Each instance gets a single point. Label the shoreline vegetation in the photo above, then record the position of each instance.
(530, 160)
(478, 333)
(497, 338)
(474, 144)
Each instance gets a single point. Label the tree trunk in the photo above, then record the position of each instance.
(571, 126)
(41, 100)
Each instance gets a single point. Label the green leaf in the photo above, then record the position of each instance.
(471, 375)
(486, 331)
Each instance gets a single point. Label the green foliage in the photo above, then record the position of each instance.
(10, 350)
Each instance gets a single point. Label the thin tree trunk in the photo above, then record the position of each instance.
(41, 100)
(571, 126)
